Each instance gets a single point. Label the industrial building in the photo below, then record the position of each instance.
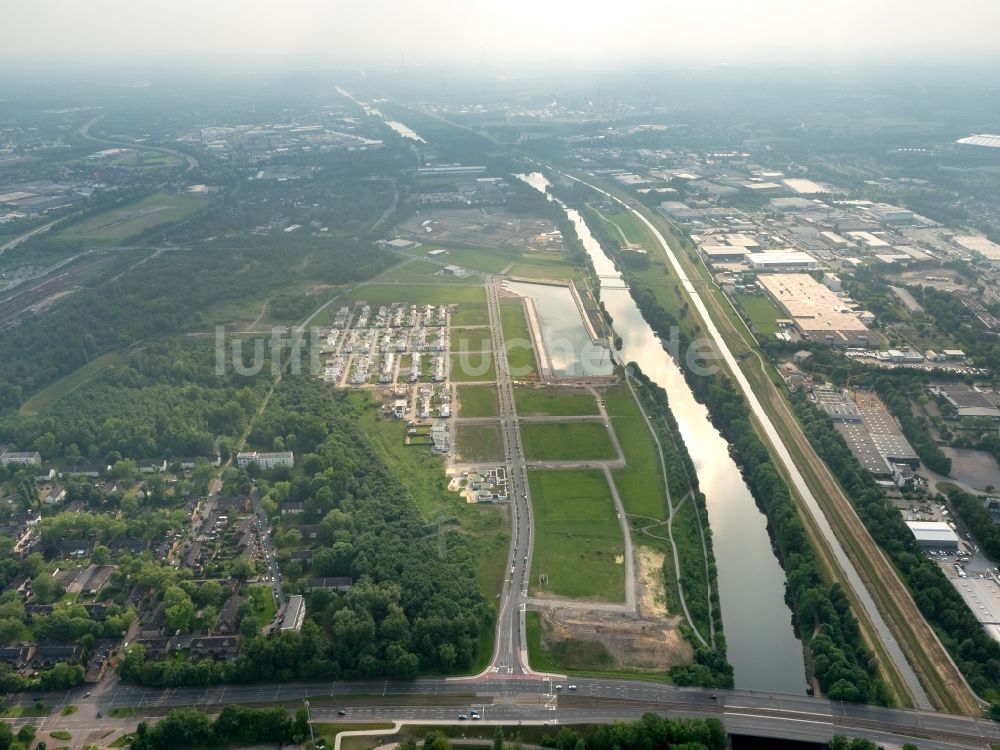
(966, 400)
(982, 595)
(934, 534)
(723, 253)
(817, 312)
(781, 260)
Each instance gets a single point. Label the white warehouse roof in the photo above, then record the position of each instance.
(933, 533)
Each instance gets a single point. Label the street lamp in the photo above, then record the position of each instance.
(312, 736)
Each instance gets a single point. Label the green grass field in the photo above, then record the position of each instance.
(635, 232)
(120, 224)
(546, 265)
(566, 441)
(479, 442)
(423, 272)
(420, 294)
(640, 484)
(471, 340)
(517, 339)
(491, 260)
(471, 315)
(578, 549)
(48, 396)
(554, 402)
(762, 312)
(473, 367)
(477, 401)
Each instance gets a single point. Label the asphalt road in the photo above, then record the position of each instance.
(510, 699)
(510, 651)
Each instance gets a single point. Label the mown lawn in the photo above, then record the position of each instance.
(554, 402)
(477, 401)
(566, 441)
(578, 551)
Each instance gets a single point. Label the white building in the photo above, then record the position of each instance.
(781, 260)
(934, 534)
(295, 613)
(9, 458)
(265, 460)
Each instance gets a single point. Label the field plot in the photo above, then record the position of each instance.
(471, 315)
(545, 266)
(479, 442)
(554, 402)
(490, 260)
(474, 367)
(477, 401)
(471, 340)
(566, 441)
(578, 549)
(640, 484)
(762, 313)
(421, 271)
(517, 338)
(120, 224)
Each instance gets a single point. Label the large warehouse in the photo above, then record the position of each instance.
(934, 534)
(781, 260)
(818, 313)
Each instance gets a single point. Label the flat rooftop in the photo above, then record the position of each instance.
(980, 245)
(859, 440)
(814, 308)
(883, 428)
(982, 595)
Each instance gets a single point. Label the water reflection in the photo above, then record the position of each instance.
(762, 646)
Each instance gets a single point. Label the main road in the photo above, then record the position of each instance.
(510, 654)
(510, 699)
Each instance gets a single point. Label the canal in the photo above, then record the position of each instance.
(761, 643)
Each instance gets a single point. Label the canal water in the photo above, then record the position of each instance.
(761, 644)
(567, 342)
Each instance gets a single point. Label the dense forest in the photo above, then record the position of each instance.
(234, 726)
(974, 651)
(165, 400)
(414, 608)
(651, 731)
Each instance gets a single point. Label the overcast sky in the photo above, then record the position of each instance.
(504, 33)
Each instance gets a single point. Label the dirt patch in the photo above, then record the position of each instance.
(589, 639)
(649, 588)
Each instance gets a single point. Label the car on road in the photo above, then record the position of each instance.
(572, 687)
(558, 687)
(476, 717)
(462, 717)
(341, 712)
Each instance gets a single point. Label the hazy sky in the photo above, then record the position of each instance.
(586, 33)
